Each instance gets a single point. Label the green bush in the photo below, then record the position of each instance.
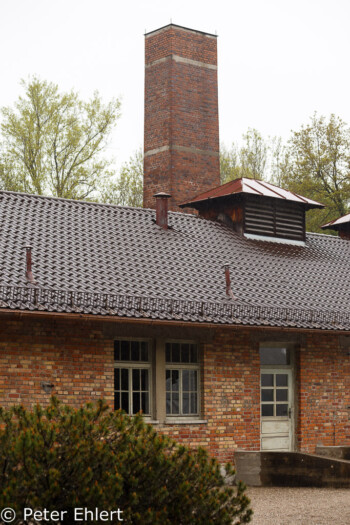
(59, 458)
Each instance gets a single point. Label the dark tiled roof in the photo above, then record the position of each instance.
(110, 260)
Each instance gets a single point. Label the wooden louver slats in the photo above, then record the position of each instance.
(274, 218)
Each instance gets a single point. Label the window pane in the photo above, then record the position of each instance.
(144, 379)
(144, 351)
(282, 410)
(193, 380)
(116, 401)
(266, 379)
(135, 352)
(124, 379)
(175, 353)
(274, 356)
(194, 356)
(186, 403)
(116, 379)
(116, 350)
(125, 351)
(136, 404)
(168, 403)
(267, 394)
(175, 382)
(168, 380)
(267, 410)
(136, 385)
(194, 409)
(185, 380)
(125, 401)
(175, 404)
(185, 353)
(144, 403)
(282, 379)
(168, 352)
(282, 394)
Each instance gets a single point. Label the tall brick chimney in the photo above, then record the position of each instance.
(181, 114)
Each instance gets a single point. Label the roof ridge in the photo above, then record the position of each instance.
(75, 201)
(102, 204)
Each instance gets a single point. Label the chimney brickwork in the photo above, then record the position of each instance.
(181, 142)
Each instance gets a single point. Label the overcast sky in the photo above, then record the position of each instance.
(279, 60)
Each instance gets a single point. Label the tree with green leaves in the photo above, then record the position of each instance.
(52, 142)
(127, 188)
(60, 458)
(316, 164)
(245, 160)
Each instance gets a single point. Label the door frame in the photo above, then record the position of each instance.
(278, 367)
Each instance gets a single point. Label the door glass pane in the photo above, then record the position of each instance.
(282, 410)
(266, 379)
(282, 394)
(267, 394)
(267, 410)
(281, 379)
(274, 356)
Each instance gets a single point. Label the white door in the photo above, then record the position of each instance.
(276, 400)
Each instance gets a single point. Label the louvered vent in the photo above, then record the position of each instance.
(274, 218)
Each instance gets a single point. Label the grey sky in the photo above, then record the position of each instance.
(279, 60)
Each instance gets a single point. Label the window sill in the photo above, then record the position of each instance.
(183, 421)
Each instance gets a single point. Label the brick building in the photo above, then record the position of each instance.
(228, 326)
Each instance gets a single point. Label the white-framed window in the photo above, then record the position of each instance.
(132, 376)
(182, 379)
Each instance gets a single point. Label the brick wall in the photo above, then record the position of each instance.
(77, 357)
(323, 377)
(181, 135)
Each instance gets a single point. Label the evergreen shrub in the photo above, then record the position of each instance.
(60, 458)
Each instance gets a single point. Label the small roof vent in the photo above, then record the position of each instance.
(162, 204)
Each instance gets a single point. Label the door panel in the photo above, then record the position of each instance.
(276, 395)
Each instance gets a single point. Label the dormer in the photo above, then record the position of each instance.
(341, 225)
(256, 209)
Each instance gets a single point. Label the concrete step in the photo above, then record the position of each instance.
(291, 469)
(338, 452)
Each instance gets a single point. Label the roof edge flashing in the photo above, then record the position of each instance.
(280, 240)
